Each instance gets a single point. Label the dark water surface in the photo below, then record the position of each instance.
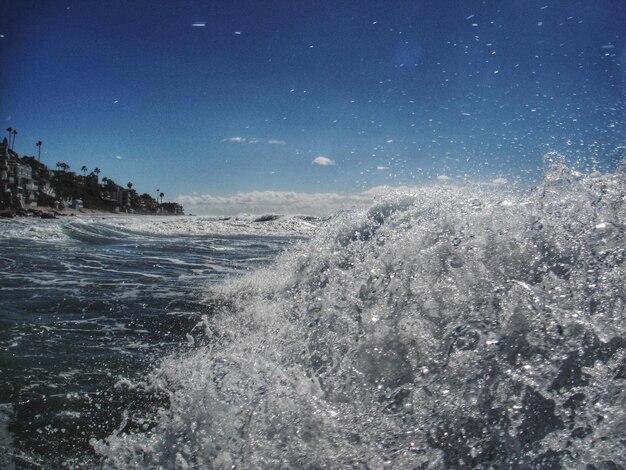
(87, 305)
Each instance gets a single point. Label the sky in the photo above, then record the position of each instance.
(285, 106)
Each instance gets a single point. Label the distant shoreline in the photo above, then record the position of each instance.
(51, 213)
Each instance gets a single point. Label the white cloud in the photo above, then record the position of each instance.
(253, 140)
(323, 161)
(235, 139)
(382, 168)
(499, 181)
(293, 203)
(119, 157)
(278, 202)
(443, 178)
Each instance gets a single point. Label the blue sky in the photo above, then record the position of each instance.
(224, 98)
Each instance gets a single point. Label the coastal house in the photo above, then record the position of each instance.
(16, 179)
(117, 196)
(75, 204)
(171, 208)
(41, 179)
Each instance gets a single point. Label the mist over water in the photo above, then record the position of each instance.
(443, 327)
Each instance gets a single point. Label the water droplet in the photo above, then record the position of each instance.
(455, 261)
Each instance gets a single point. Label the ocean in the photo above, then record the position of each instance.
(91, 304)
(449, 326)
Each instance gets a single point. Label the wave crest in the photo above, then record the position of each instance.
(442, 327)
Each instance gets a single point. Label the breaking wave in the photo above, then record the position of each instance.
(94, 229)
(445, 327)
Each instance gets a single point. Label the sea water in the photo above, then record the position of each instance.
(89, 304)
(441, 327)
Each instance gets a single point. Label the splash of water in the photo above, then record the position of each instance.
(440, 328)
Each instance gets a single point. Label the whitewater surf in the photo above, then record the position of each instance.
(442, 327)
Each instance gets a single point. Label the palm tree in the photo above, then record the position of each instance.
(14, 133)
(97, 170)
(38, 144)
(161, 197)
(84, 170)
(58, 165)
(129, 185)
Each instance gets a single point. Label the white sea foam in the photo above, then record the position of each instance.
(441, 327)
(202, 225)
(116, 228)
